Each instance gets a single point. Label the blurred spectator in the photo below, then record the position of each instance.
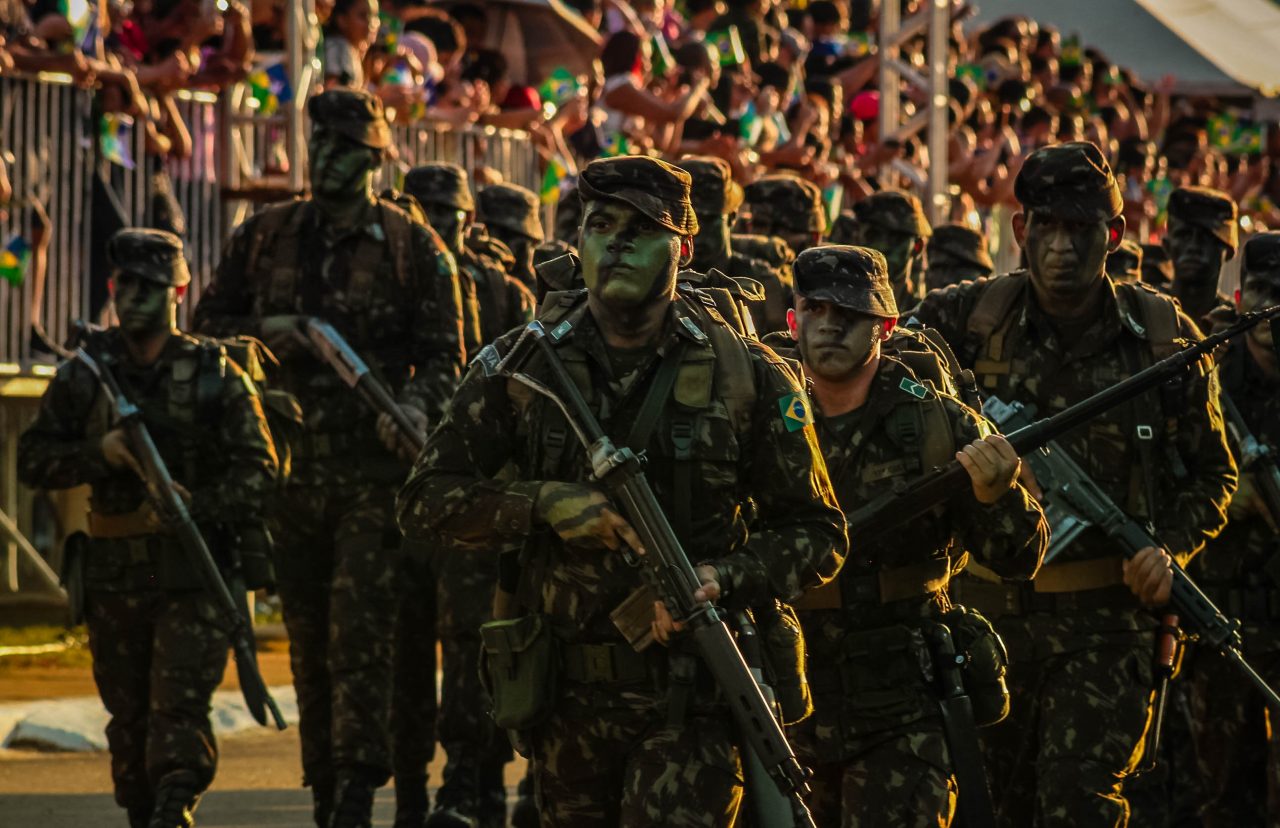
(349, 33)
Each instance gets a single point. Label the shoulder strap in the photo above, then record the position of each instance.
(398, 228)
(1157, 315)
(988, 323)
(268, 225)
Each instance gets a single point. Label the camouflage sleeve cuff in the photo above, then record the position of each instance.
(743, 583)
(513, 513)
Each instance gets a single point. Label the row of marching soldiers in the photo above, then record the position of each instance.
(769, 383)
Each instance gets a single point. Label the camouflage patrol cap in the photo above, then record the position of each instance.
(894, 210)
(772, 250)
(655, 188)
(440, 183)
(963, 243)
(155, 255)
(1262, 257)
(843, 230)
(1210, 209)
(353, 113)
(1125, 262)
(1072, 180)
(551, 249)
(852, 277)
(787, 203)
(511, 207)
(713, 190)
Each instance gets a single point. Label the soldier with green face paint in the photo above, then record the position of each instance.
(786, 206)
(512, 215)
(1203, 234)
(716, 198)
(632, 735)
(956, 254)
(1081, 637)
(158, 641)
(390, 288)
(893, 222)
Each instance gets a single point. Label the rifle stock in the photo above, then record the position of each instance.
(177, 519)
(667, 569)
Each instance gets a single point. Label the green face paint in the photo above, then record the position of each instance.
(341, 169)
(897, 248)
(449, 222)
(628, 259)
(144, 306)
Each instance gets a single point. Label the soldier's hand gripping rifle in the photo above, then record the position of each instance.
(328, 345)
(894, 508)
(172, 510)
(667, 568)
(1255, 458)
(1066, 485)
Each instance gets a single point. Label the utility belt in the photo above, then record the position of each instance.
(1065, 587)
(608, 663)
(323, 445)
(141, 522)
(882, 587)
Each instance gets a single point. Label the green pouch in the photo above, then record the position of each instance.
(985, 664)
(785, 658)
(519, 668)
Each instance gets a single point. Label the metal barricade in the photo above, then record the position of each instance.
(508, 152)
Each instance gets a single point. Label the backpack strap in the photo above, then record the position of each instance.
(268, 225)
(988, 325)
(398, 227)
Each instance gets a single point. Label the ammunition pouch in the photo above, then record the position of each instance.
(519, 668)
(782, 639)
(986, 662)
(881, 671)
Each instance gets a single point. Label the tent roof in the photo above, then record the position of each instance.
(1132, 36)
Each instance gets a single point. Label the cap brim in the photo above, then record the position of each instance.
(852, 299)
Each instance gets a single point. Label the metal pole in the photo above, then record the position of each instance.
(936, 204)
(890, 81)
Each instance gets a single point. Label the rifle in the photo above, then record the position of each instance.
(1255, 458)
(894, 508)
(1062, 479)
(329, 346)
(173, 511)
(666, 567)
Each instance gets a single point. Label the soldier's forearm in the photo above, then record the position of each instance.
(50, 463)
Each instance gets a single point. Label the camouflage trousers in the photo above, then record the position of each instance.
(1237, 743)
(1080, 707)
(157, 658)
(337, 554)
(612, 759)
(476, 748)
(413, 701)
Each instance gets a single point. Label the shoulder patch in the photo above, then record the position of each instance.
(795, 410)
(916, 389)
(488, 359)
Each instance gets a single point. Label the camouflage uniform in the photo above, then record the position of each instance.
(464, 586)
(844, 230)
(1237, 742)
(159, 647)
(1124, 264)
(391, 289)
(1212, 211)
(716, 198)
(512, 214)
(902, 216)
(876, 740)
(609, 755)
(1157, 270)
(788, 206)
(954, 254)
(1080, 646)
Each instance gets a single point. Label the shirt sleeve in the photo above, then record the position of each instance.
(247, 457)
(437, 327)
(56, 452)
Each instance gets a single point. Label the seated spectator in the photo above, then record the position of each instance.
(348, 35)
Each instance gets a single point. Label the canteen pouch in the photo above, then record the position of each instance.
(986, 662)
(518, 667)
(785, 656)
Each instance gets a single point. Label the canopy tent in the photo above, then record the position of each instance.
(1224, 47)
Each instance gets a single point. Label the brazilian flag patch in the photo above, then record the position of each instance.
(795, 411)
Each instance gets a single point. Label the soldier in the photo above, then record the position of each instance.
(472, 786)
(568, 217)
(390, 288)
(844, 230)
(956, 254)
(1157, 270)
(1203, 235)
(1050, 337)
(716, 198)
(512, 215)
(159, 646)
(876, 739)
(786, 206)
(1236, 747)
(622, 745)
(1124, 264)
(893, 222)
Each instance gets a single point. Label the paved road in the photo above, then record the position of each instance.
(257, 785)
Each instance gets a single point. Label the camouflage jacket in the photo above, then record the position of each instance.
(743, 450)
(397, 304)
(768, 261)
(502, 301)
(1242, 555)
(214, 440)
(1192, 471)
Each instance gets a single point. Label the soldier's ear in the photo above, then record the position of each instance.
(1115, 233)
(1019, 222)
(791, 322)
(918, 247)
(686, 250)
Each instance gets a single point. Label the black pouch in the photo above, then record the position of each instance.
(252, 547)
(986, 662)
(74, 549)
(519, 667)
(785, 660)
